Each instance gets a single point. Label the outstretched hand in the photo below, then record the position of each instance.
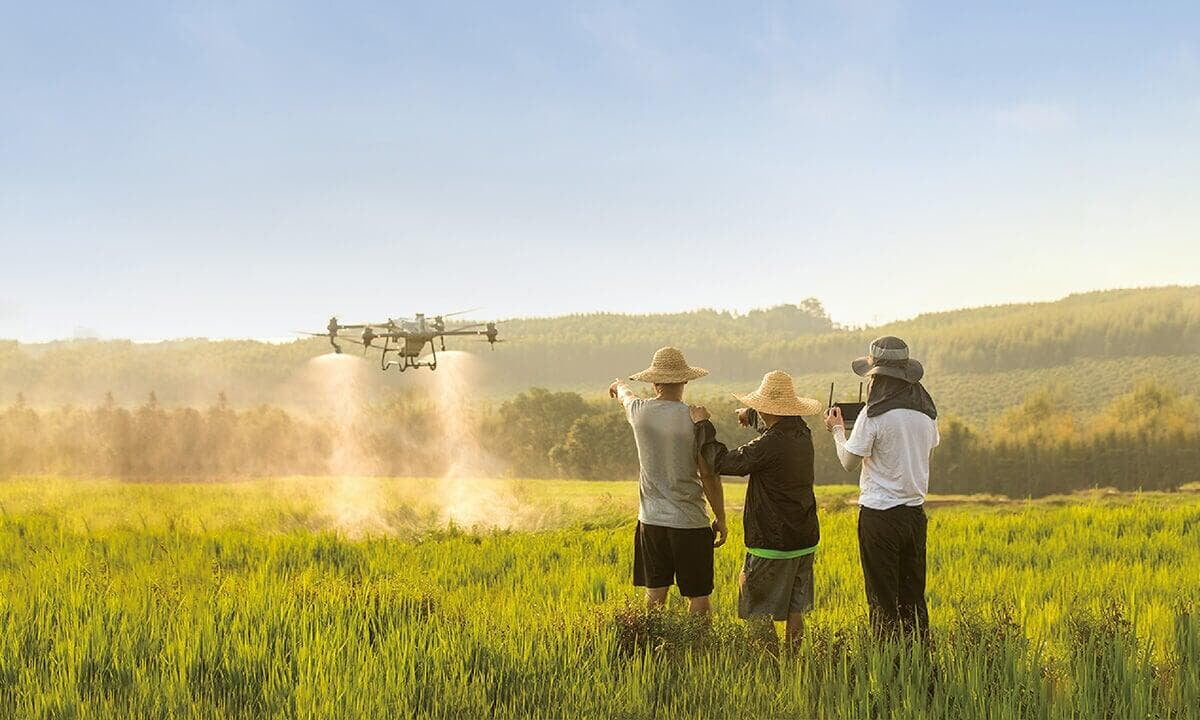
(833, 418)
(612, 389)
(699, 413)
(743, 416)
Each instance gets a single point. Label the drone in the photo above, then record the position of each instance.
(403, 340)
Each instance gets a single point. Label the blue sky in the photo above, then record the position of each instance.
(247, 169)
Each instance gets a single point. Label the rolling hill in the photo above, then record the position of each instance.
(980, 360)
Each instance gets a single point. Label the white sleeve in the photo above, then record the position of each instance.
(937, 436)
(632, 404)
(862, 437)
(848, 459)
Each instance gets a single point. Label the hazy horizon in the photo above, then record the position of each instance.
(82, 333)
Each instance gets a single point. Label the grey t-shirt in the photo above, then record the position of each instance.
(669, 489)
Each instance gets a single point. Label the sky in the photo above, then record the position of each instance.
(249, 169)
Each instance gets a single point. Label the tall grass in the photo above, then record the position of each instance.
(1039, 610)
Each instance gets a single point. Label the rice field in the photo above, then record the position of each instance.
(254, 600)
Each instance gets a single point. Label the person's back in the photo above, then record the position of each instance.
(673, 541)
(780, 517)
(669, 488)
(781, 509)
(892, 438)
(895, 448)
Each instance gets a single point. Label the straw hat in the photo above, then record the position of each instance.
(669, 366)
(776, 395)
(889, 356)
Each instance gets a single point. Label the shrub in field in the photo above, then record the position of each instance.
(1112, 671)
(1181, 682)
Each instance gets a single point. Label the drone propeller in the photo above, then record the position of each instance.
(460, 312)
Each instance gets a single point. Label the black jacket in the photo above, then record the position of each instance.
(781, 510)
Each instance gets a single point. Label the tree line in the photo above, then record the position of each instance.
(571, 352)
(1144, 439)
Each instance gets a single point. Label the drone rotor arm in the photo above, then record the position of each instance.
(468, 330)
(361, 326)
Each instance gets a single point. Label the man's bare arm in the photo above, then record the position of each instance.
(714, 491)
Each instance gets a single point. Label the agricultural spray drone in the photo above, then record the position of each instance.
(402, 340)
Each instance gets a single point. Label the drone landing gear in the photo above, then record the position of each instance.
(432, 364)
(407, 361)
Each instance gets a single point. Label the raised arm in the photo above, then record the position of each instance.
(620, 391)
(837, 426)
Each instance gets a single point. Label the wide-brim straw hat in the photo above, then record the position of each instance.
(889, 356)
(669, 366)
(776, 395)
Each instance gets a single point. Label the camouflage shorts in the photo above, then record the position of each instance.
(775, 588)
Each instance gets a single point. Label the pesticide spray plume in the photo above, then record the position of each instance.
(358, 501)
(470, 493)
(336, 387)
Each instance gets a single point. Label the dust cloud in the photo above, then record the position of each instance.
(469, 494)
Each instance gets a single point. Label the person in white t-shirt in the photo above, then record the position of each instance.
(892, 439)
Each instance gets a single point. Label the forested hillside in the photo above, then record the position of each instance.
(1111, 324)
(1094, 390)
(1097, 343)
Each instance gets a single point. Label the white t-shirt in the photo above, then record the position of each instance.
(895, 449)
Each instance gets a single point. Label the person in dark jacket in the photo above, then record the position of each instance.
(780, 516)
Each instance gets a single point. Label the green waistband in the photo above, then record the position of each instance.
(781, 554)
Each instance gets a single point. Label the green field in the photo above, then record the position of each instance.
(253, 600)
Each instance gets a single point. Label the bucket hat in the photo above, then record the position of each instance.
(889, 356)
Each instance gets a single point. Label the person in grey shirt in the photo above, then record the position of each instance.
(674, 539)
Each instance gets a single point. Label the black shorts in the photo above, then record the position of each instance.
(664, 556)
